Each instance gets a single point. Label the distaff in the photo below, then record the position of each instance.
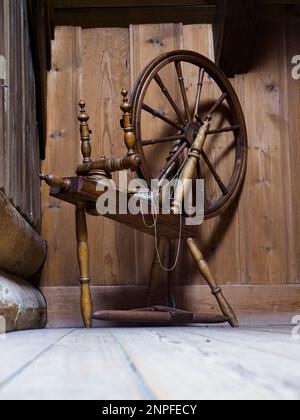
(190, 166)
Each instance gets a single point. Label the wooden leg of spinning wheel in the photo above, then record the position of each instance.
(83, 260)
(216, 290)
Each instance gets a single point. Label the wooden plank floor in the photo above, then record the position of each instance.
(258, 361)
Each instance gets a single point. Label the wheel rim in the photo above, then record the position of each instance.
(183, 126)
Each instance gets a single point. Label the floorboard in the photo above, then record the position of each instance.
(257, 362)
(82, 365)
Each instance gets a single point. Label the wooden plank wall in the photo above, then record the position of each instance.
(2, 82)
(256, 242)
(19, 143)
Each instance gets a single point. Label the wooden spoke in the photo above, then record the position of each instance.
(183, 91)
(157, 114)
(169, 97)
(218, 103)
(199, 91)
(170, 162)
(224, 130)
(214, 173)
(162, 140)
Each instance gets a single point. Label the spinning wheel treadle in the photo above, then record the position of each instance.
(191, 133)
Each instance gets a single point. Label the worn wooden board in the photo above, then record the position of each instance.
(252, 363)
(291, 145)
(2, 90)
(199, 365)
(244, 299)
(18, 349)
(267, 255)
(98, 369)
(19, 143)
(106, 70)
(63, 154)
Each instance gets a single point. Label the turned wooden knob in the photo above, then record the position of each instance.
(126, 107)
(83, 116)
(127, 125)
(85, 132)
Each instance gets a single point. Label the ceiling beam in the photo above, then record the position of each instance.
(92, 17)
(63, 4)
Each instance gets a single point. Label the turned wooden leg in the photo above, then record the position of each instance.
(83, 260)
(216, 290)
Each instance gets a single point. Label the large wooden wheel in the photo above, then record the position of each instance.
(171, 99)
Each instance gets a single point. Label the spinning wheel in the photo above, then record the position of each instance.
(184, 122)
(185, 114)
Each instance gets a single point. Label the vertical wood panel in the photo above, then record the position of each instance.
(264, 210)
(2, 89)
(292, 146)
(105, 71)
(63, 155)
(19, 137)
(94, 65)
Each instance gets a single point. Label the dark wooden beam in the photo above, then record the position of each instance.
(280, 2)
(91, 13)
(41, 26)
(234, 34)
(63, 4)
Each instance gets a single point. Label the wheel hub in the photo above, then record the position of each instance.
(191, 131)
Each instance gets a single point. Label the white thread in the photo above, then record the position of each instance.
(155, 220)
(155, 217)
